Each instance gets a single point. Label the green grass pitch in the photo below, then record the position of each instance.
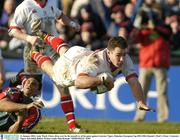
(58, 126)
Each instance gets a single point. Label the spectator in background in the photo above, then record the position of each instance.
(175, 26)
(6, 15)
(103, 9)
(169, 6)
(77, 4)
(154, 57)
(118, 20)
(128, 10)
(88, 37)
(87, 15)
(1, 6)
(2, 72)
(66, 6)
(7, 12)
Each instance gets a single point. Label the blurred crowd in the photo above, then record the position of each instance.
(102, 19)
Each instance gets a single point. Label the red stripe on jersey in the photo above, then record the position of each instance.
(32, 119)
(131, 75)
(82, 74)
(14, 27)
(2, 95)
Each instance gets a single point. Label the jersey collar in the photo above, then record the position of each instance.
(41, 5)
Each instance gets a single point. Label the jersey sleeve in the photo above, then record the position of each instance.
(12, 93)
(128, 69)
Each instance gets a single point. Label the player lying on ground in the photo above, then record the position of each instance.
(82, 68)
(18, 112)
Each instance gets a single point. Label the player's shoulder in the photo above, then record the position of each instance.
(25, 5)
(102, 54)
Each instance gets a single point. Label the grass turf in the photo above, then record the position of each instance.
(59, 126)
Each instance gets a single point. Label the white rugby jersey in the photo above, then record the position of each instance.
(78, 60)
(29, 14)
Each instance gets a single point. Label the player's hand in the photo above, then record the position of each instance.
(107, 80)
(37, 104)
(34, 40)
(16, 127)
(142, 106)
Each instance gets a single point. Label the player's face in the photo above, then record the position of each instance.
(117, 56)
(31, 87)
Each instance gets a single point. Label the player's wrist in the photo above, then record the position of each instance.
(29, 38)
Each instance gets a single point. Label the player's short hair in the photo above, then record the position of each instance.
(117, 42)
(21, 77)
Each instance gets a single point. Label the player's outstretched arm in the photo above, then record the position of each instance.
(7, 105)
(138, 94)
(67, 21)
(19, 34)
(16, 127)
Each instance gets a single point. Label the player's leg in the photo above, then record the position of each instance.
(68, 109)
(162, 101)
(44, 62)
(67, 106)
(58, 44)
